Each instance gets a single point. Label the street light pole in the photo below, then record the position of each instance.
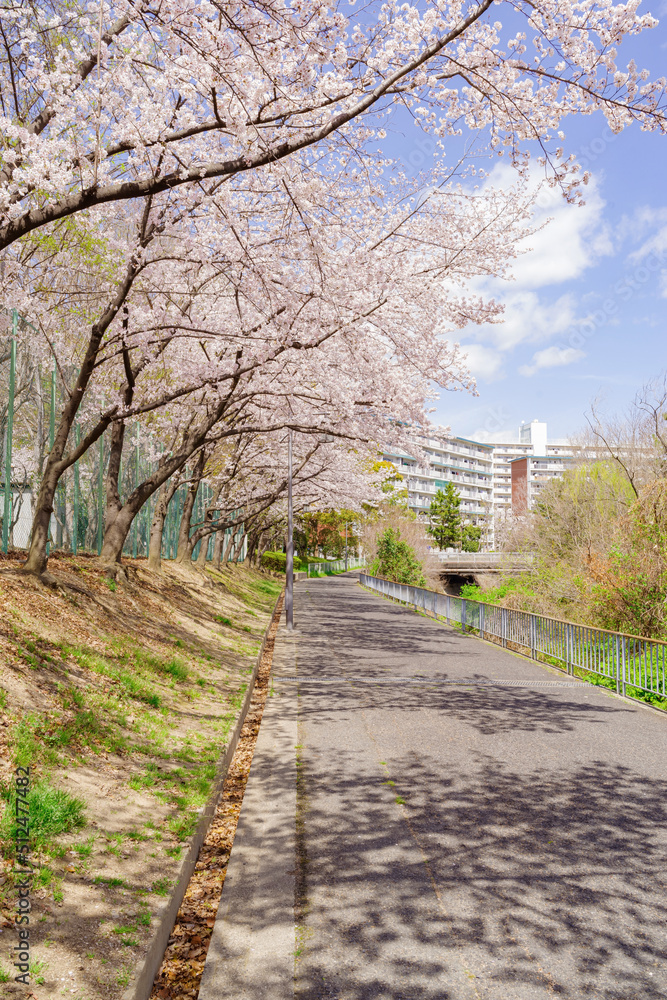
(289, 583)
(346, 546)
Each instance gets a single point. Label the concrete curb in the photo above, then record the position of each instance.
(165, 916)
(251, 954)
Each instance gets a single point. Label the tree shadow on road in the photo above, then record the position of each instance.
(489, 710)
(496, 884)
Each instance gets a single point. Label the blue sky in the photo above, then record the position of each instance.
(586, 314)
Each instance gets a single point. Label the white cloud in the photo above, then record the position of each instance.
(527, 318)
(551, 357)
(483, 362)
(571, 240)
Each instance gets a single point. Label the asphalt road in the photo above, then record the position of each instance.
(460, 840)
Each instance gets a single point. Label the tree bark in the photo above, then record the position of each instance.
(217, 549)
(165, 495)
(185, 543)
(253, 540)
(239, 545)
(228, 546)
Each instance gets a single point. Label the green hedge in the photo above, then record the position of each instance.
(277, 561)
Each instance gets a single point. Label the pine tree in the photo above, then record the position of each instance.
(445, 519)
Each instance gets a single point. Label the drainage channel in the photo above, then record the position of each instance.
(179, 976)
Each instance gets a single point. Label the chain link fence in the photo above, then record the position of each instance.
(31, 395)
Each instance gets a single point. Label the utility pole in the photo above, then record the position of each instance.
(289, 567)
(9, 433)
(346, 546)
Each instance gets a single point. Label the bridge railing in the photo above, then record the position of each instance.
(336, 565)
(486, 558)
(630, 664)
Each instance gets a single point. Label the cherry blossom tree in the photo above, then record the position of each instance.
(340, 301)
(137, 97)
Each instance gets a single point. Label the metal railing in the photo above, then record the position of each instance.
(631, 664)
(336, 565)
(487, 558)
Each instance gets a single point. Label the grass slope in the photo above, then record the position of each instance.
(120, 699)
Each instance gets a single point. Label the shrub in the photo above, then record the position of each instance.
(397, 561)
(274, 560)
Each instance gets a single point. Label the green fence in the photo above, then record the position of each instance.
(31, 394)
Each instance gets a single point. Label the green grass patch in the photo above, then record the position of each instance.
(184, 826)
(172, 666)
(44, 877)
(4, 975)
(161, 887)
(137, 835)
(27, 743)
(52, 811)
(86, 849)
(36, 969)
(113, 883)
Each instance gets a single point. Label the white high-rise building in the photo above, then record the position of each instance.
(490, 478)
(466, 464)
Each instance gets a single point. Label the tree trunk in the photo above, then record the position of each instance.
(168, 466)
(239, 545)
(203, 552)
(204, 535)
(165, 496)
(113, 504)
(185, 543)
(155, 538)
(217, 549)
(37, 559)
(253, 539)
(228, 547)
(57, 462)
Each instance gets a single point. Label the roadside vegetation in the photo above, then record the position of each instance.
(121, 703)
(396, 560)
(598, 536)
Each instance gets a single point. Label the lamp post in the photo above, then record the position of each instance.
(289, 567)
(9, 492)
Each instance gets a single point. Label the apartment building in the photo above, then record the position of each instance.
(530, 474)
(533, 443)
(466, 464)
(494, 480)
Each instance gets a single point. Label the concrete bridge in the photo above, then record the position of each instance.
(481, 568)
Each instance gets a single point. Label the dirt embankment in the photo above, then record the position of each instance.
(121, 699)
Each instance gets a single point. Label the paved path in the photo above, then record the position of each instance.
(460, 840)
